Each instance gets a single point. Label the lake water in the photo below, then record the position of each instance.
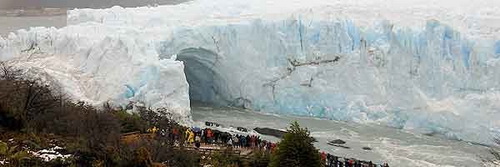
(12, 4)
(397, 147)
(9, 23)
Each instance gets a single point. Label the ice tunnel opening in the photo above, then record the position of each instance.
(202, 75)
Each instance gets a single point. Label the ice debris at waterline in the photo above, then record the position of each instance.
(430, 69)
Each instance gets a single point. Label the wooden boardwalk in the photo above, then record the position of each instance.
(205, 149)
(209, 149)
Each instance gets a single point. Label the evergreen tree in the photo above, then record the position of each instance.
(296, 149)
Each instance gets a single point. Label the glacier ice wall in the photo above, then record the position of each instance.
(430, 68)
(431, 80)
(94, 63)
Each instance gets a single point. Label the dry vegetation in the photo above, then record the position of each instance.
(33, 117)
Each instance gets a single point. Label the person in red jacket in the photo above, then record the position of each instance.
(323, 156)
(210, 135)
(175, 134)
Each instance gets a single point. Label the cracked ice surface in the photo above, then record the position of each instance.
(426, 66)
(93, 63)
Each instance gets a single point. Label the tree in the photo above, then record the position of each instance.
(23, 100)
(296, 149)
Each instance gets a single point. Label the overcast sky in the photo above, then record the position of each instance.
(8, 4)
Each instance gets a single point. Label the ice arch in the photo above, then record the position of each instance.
(202, 74)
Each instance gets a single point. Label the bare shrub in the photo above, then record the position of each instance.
(23, 100)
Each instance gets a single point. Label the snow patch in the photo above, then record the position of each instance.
(50, 154)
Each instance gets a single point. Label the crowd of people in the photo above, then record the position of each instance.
(334, 161)
(197, 136)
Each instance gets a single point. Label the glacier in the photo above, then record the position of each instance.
(97, 68)
(431, 81)
(430, 69)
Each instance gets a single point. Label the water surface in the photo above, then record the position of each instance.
(23, 14)
(397, 147)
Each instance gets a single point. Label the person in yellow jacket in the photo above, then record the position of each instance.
(191, 137)
(186, 133)
(153, 129)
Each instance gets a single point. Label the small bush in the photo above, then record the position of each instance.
(183, 158)
(225, 158)
(296, 149)
(13, 154)
(260, 159)
(130, 122)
